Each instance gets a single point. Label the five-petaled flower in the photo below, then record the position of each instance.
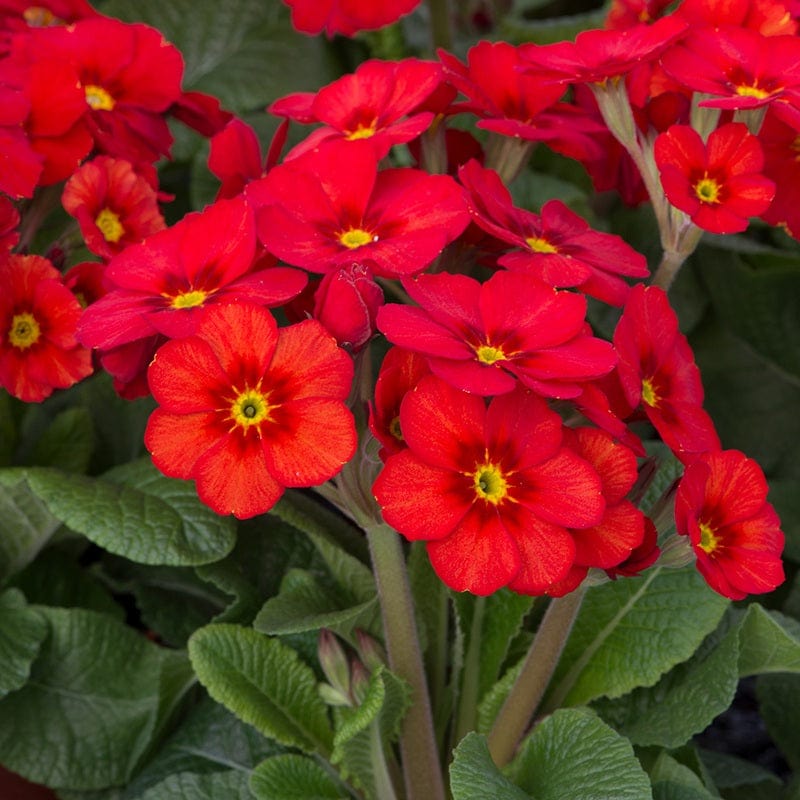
(719, 184)
(38, 318)
(492, 491)
(483, 338)
(721, 505)
(248, 409)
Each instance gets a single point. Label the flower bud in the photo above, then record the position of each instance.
(372, 654)
(333, 661)
(346, 303)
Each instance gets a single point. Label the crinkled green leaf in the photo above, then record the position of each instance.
(209, 739)
(25, 523)
(67, 442)
(98, 696)
(630, 632)
(474, 776)
(685, 701)
(291, 777)
(55, 578)
(304, 604)
(22, 631)
(386, 700)
(242, 51)
(230, 785)
(770, 642)
(675, 781)
(263, 682)
(136, 512)
(574, 754)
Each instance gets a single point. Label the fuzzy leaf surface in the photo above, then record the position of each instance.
(264, 683)
(136, 512)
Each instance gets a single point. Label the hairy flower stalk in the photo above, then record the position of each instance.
(529, 688)
(423, 776)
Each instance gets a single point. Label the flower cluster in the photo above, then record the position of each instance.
(512, 433)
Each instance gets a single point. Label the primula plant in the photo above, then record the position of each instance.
(399, 400)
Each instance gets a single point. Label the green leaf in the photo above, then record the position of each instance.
(493, 700)
(502, 620)
(729, 771)
(303, 604)
(67, 443)
(243, 51)
(546, 31)
(173, 601)
(231, 785)
(118, 423)
(136, 512)
(574, 754)
(630, 632)
(779, 703)
(753, 404)
(293, 777)
(98, 696)
(22, 631)
(209, 739)
(675, 781)
(386, 701)
(770, 642)
(266, 549)
(474, 776)
(264, 683)
(329, 534)
(760, 305)
(685, 701)
(26, 523)
(56, 579)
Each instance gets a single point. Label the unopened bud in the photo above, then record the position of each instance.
(360, 681)
(333, 661)
(372, 654)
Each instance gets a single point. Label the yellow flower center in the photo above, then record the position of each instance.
(25, 331)
(98, 98)
(709, 541)
(540, 245)
(752, 91)
(489, 484)
(110, 226)
(362, 131)
(707, 190)
(649, 395)
(191, 299)
(489, 355)
(250, 408)
(38, 17)
(356, 237)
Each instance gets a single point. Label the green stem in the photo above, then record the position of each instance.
(529, 688)
(384, 788)
(468, 702)
(440, 24)
(423, 776)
